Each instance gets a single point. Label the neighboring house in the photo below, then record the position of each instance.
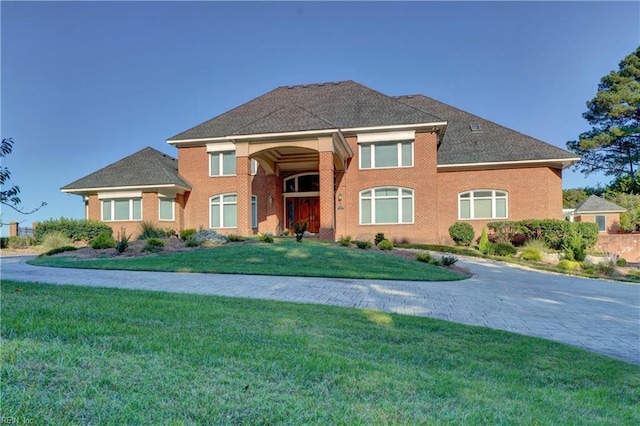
(343, 158)
(597, 210)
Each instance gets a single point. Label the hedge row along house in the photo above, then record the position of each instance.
(341, 157)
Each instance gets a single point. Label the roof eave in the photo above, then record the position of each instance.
(90, 190)
(560, 163)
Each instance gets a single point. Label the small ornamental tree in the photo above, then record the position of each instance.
(461, 233)
(484, 243)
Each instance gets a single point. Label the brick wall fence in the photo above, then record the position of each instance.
(624, 245)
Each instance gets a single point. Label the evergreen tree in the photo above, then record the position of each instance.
(612, 145)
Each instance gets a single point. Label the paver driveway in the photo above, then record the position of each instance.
(598, 315)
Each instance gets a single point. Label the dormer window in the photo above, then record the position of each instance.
(475, 127)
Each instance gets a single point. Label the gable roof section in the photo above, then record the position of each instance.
(595, 204)
(342, 105)
(492, 143)
(146, 168)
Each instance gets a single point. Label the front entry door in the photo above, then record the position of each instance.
(304, 209)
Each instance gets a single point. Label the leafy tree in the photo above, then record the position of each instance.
(612, 145)
(9, 195)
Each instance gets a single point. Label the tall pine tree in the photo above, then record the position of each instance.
(612, 145)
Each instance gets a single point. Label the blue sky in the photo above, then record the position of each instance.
(85, 84)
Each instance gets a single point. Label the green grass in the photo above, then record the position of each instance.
(285, 257)
(76, 355)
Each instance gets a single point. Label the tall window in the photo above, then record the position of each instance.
(483, 204)
(386, 155)
(222, 163)
(602, 223)
(167, 209)
(224, 211)
(122, 209)
(254, 211)
(387, 205)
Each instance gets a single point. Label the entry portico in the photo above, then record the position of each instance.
(306, 160)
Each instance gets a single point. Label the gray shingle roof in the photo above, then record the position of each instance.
(595, 204)
(492, 143)
(342, 105)
(147, 167)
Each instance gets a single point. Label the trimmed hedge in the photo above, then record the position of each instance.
(556, 234)
(74, 229)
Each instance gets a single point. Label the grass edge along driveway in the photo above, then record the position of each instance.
(80, 355)
(284, 257)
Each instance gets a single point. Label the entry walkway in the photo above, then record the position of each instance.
(598, 315)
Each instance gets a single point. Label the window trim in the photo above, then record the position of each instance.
(221, 204)
(399, 197)
(604, 222)
(112, 208)
(220, 155)
(493, 199)
(399, 144)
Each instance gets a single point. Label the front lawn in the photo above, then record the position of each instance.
(284, 257)
(76, 355)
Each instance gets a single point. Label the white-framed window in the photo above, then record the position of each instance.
(166, 208)
(380, 155)
(483, 204)
(254, 211)
(121, 209)
(601, 220)
(224, 211)
(386, 205)
(222, 163)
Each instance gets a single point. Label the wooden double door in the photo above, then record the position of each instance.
(301, 210)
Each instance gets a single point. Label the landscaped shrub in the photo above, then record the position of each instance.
(555, 233)
(235, 238)
(605, 269)
(103, 241)
(56, 239)
(534, 250)
(378, 238)
(150, 230)
(191, 242)
(20, 242)
(361, 244)
(385, 245)
(502, 249)
(461, 233)
(574, 246)
(448, 260)
(59, 250)
(299, 230)
(186, 234)
(345, 241)
(423, 257)
(506, 231)
(153, 245)
(483, 243)
(122, 241)
(621, 262)
(74, 229)
(568, 265)
(209, 238)
(265, 238)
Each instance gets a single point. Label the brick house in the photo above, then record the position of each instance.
(343, 158)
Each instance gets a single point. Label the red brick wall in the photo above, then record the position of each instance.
(194, 168)
(624, 245)
(533, 193)
(421, 178)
